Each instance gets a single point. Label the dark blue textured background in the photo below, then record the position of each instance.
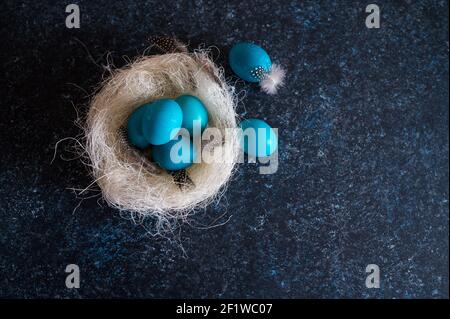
(363, 174)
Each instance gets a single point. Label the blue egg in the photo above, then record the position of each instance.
(161, 121)
(249, 61)
(178, 154)
(134, 128)
(193, 110)
(258, 139)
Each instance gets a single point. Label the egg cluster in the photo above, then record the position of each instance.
(158, 125)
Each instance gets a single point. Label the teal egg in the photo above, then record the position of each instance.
(177, 154)
(161, 121)
(193, 110)
(134, 128)
(263, 142)
(249, 61)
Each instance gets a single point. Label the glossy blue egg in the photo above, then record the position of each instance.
(193, 110)
(161, 121)
(177, 154)
(134, 128)
(249, 61)
(258, 139)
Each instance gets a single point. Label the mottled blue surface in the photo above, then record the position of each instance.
(363, 175)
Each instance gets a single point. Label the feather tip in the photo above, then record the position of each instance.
(273, 80)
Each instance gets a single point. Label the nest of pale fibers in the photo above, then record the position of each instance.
(128, 179)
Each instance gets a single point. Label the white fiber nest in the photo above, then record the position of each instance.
(127, 178)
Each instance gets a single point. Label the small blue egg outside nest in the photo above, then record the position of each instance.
(249, 61)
